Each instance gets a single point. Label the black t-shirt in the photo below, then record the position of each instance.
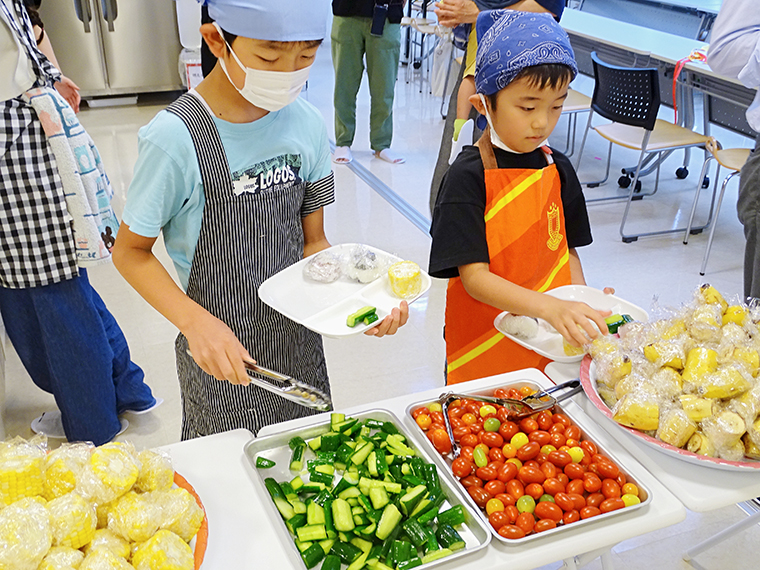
(459, 227)
(366, 8)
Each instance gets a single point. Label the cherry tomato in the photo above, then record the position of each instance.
(514, 394)
(518, 440)
(575, 471)
(594, 499)
(479, 495)
(515, 461)
(423, 420)
(545, 524)
(553, 486)
(528, 451)
(575, 486)
(530, 474)
(544, 420)
(528, 425)
(612, 504)
(557, 428)
(487, 473)
(491, 439)
(469, 418)
(621, 479)
(563, 501)
(573, 432)
(607, 470)
(507, 472)
(466, 452)
(591, 482)
(491, 424)
(610, 489)
(494, 505)
(562, 478)
(460, 432)
(472, 407)
(470, 439)
(526, 521)
(500, 393)
(532, 463)
(511, 531)
(578, 500)
(541, 458)
(576, 453)
(455, 411)
(630, 489)
(509, 450)
(441, 441)
(471, 481)
(495, 487)
(496, 454)
(560, 458)
(508, 429)
(569, 442)
(526, 504)
(630, 500)
(462, 467)
(588, 512)
(548, 510)
(505, 499)
(589, 447)
(515, 488)
(562, 419)
(540, 436)
(512, 512)
(498, 519)
(534, 490)
(479, 457)
(571, 517)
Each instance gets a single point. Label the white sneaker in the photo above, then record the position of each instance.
(51, 425)
(159, 401)
(465, 138)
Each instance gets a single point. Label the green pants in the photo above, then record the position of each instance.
(351, 42)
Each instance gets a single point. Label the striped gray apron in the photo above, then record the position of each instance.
(243, 240)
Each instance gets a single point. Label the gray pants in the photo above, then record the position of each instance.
(748, 209)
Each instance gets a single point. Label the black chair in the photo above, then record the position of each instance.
(630, 98)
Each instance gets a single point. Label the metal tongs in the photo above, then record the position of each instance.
(518, 409)
(289, 388)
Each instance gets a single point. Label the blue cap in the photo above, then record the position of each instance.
(510, 41)
(273, 20)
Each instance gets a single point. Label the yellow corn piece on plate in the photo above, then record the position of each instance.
(73, 520)
(61, 558)
(25, 534)
(163, 551)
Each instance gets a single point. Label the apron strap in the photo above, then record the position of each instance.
(212, 160)
(486, 150)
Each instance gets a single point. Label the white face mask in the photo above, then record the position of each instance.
(268, 90)
(495, 138)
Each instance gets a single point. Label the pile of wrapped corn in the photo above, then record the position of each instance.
(92, 508)
(689, 379)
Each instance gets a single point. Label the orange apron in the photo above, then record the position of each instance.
(525, 231)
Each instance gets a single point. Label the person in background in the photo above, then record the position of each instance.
(735, 51)
(65, 86)
(66, 338)
(510, 213)
(365, 29)
(236, 175)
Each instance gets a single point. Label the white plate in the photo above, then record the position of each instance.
(323, 307)
(588, 380)
(548, 342)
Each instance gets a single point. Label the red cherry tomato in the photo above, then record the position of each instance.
(466, 452)
(594, 499)
(535, 490)
(498, 519)
(573, 432)
(588, 512)
(488, 473)
(470, 440)
(591, 482)
(562, 419)
(540, 436)
(544, 420)
(560, 458)
(471, 481)
(607, 469)
(575, 487)
(562, 478)
(495, 487)
(548, 510)
(612, 504)
(529, 474)
(462, 467)
(528, 425)
(553, 486)
(459, 432)
(576, 471)
(507, 472)
(441, 441)
(511, 531)
(507, 500)
(589, 447)
(528, 451)
(512, 513)
(491, 439)
(496, 454)
(621, 479)
(610, 489)
(479, 495)
(548, 469)
(508, 429)
(515, 488)
(545, 524)
(526, 521)
(571, 517)
(500, 393)
(564, 501)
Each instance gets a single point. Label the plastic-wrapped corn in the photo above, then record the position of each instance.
(675, 427)
(25, 534)
(62, 467)
(134, 517)
(21, 465)
(62, 558)
(102, 559)
(179, 512)
(107, 539)
(405, 279)
(156, 472)
(705, 323)
(111, 472)
(163, 551)
(72, 520)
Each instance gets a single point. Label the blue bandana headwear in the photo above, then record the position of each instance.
(273, 20)
(510, 41)
(556, 7)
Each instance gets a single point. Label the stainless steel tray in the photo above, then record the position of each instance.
(445, 464)
(475, 532)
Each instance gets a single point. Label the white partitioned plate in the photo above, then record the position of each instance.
(323, 307)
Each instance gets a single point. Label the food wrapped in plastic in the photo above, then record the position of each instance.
(700, 361)
(107, 539)
(25, 534)
(72, 520)
(111, 471)
(101, 511)
(405, 279)
(707, 294)
(733, 452)
(726, 382)
(670, 353)
(519, 325)
(750, 449)
(724, 429)
(179, 512)
(748, 357)
(102, 559)
(667, 382)
(639, 410)
(365, 265)
(163, 551)
(747, 405)
(21, 470)
(700, 444)
(696, 407)
(675, 427)
(612, 368)
(62, 558)
(705, 323)
(753, 431)
(156, 472)
(634, 382)
(135, 517)
(324, 267)
(63, 466)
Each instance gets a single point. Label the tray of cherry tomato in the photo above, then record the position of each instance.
(529, 477)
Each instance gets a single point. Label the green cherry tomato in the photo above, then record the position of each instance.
(519, 439)
(479, 457)
(526, 504)
(630, 500)
(546, 497)
(487, 410)
(491, 424)
(576, 454)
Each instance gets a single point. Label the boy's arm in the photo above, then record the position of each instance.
(576, 270)
(215, 347)
(564, 316)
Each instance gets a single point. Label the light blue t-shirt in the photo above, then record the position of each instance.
(166, 192)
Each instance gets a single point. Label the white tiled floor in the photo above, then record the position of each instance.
(364, 369)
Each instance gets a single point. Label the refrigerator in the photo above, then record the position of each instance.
(115, 47)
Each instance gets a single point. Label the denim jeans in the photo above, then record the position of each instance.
(73, 348)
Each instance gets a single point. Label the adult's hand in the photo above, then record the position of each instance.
(451, 13)
(69, 91)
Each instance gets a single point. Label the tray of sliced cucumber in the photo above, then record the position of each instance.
(356, 492)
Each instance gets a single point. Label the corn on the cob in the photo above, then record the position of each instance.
(62, 466)
(25, 535)
(102, 559)
(72, 519)
(107, 539)
(111, 472)
(62, 558)
(179, 512)
(20, 470)
(134, 517)
(163, 551)
(156, 473)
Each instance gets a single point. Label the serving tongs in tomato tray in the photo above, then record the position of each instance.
(517, 409)
(286, 387)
